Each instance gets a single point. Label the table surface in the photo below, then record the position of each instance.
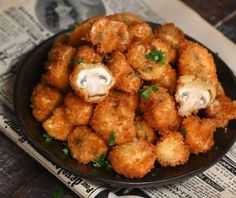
(21, 176)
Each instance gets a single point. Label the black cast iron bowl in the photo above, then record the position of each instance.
(29, 75)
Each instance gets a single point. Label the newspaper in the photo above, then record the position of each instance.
(26, 23)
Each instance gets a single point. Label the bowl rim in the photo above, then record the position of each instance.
(130, 183)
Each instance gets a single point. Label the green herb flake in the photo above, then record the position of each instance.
(57, 193)
(65, 151)
(183, 132)
(47, 137)
(102, 162)
(156, 56)
(79, 61)
(155, 88)
(112, 139)
(145, 93)
(137, 74)
(105, 59)
(139, 126)
(154, 174)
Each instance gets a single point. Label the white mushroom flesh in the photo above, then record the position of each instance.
(95, 80)
(192, 99)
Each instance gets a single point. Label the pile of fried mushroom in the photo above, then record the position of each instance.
(124, 95)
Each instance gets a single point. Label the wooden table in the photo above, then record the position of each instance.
(21, 176)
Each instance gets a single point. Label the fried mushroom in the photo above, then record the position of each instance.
(125, 77)
(171, 149)
(133, 159)
(77, 110)
(91, 81)
(85, 145)
(113, 118)
(58, 126)
(159, 109)
(199, 133)
(44, 100)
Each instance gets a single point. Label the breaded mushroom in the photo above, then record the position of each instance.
(159, 109)
(171, 149)
(86, 54)
(199, 133)
(222, 110)
(134, 159)
(125, 77)
(140, 32)
(58, 126)
(142, 58)
(44, 100)
(58, 66)
(85, 145)
(113, 118)
(109, 35)
(77, 110)
(125, 17)
(170, 33)
(144, 131)
(91, 81)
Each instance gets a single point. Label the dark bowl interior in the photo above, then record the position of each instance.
(29, 75)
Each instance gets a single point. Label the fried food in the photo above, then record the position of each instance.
(199, 133)
(58, 66)
(58, 126)
(133, 159)
(193, 94)
(77, 110)
(125, 17)
(78, 35)
(114, 117)
(171, 149)
(140, 31)
(159, 110)
(148, 69)
(87, 55)
(170, 33)
(125, 77)
(85, 145)
(91, 81)
(144, 131)
(44, 100)
(109, 35)
(222, 110)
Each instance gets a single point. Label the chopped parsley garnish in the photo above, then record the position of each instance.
(139, 126)
(154, 88)
(66, 150)
(137, 74)
(102, 162)
(57, 193)
(47, 137)
(156, 56)
(154, 174)
(79, 61)
(112, 139)
(183, 132)
(105, 59)
(145, 93)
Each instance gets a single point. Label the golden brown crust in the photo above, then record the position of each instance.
(160, 111)
(134, 159)
(77, 110)
(170, 33)
(199, 133)
(58, 126)
(58, 66)
(222, 110)
(88, 55)
(44, 100)
(115, 116)
(144, 131)
(171, 149)
(109, 35)
(125, 17)
(126, 79)
(85, 145)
